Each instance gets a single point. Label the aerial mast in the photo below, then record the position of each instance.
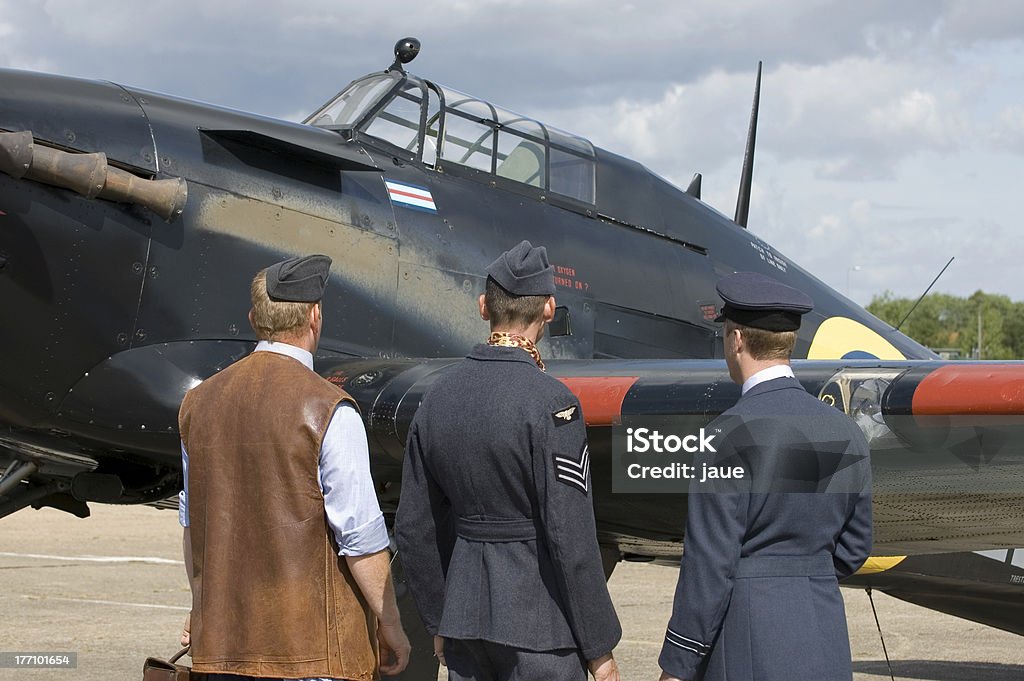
(747, 176)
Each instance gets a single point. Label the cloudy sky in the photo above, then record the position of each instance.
(891, 134)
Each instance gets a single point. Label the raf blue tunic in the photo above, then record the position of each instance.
(496, 521)
(758, 596)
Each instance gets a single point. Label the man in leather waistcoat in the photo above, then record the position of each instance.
(285, 544)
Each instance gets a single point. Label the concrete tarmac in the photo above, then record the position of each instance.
(112, 589)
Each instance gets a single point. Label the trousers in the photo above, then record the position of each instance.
(470, 660)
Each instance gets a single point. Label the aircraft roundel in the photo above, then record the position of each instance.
(844, 338)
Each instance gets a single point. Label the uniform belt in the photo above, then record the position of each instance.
(495, 530)
(818, 565)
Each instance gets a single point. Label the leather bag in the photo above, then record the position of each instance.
(156, 669)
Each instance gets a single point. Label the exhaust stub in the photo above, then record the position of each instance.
(89, 175)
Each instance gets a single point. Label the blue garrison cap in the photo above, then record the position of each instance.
(524, 270)
(299, 280)
(755, 300)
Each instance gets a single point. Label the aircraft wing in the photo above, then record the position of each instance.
(982, 586)
(947, 439)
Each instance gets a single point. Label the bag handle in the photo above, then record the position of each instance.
(178, 654)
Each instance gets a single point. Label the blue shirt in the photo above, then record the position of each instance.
(350, 500)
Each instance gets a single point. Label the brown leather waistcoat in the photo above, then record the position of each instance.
(271, 596)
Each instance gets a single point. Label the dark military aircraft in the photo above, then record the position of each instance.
(131, 222)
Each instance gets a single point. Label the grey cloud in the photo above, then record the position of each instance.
(1008, 131)
(522, 54)
(857, 169)
(970, 21)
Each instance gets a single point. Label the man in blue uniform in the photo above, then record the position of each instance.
(496, 524)
(758, 597)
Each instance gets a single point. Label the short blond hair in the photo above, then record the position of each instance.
(763, 344)
(275, 319)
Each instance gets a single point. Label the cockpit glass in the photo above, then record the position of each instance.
(572, 165)
(399, 121)
(455, 129)
(571, 142)
(521, 151)
(468, 131)
(350, 106)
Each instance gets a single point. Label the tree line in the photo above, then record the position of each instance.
(950, 323)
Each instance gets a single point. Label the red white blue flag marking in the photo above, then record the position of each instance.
(411, 196)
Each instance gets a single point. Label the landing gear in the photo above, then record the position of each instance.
(38, 474)
(15, 473)
(18, 491)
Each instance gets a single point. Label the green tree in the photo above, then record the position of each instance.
(945, 321)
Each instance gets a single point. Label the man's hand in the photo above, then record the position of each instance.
(394, 649)
(439, 650)
(666, 677)
(372, 573)
(186, 631)
(604, 668)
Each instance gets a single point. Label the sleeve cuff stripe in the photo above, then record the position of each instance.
(679, 640)
(680, 645)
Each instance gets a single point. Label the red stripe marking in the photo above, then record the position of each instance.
(428, 197)
(2, 214)
(996, 389)
(600, 396)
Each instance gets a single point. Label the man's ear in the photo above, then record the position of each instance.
(738, 341)
(549, 309)
(251, 322)
(483, 308)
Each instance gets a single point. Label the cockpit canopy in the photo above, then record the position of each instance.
(440, 127)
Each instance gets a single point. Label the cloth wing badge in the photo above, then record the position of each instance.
(564, 416)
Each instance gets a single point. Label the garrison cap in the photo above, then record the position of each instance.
(299, 280)
(524, 270)
(755, 300)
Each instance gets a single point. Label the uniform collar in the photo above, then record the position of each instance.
(499, 353)
(769, 374)
(292, 351)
